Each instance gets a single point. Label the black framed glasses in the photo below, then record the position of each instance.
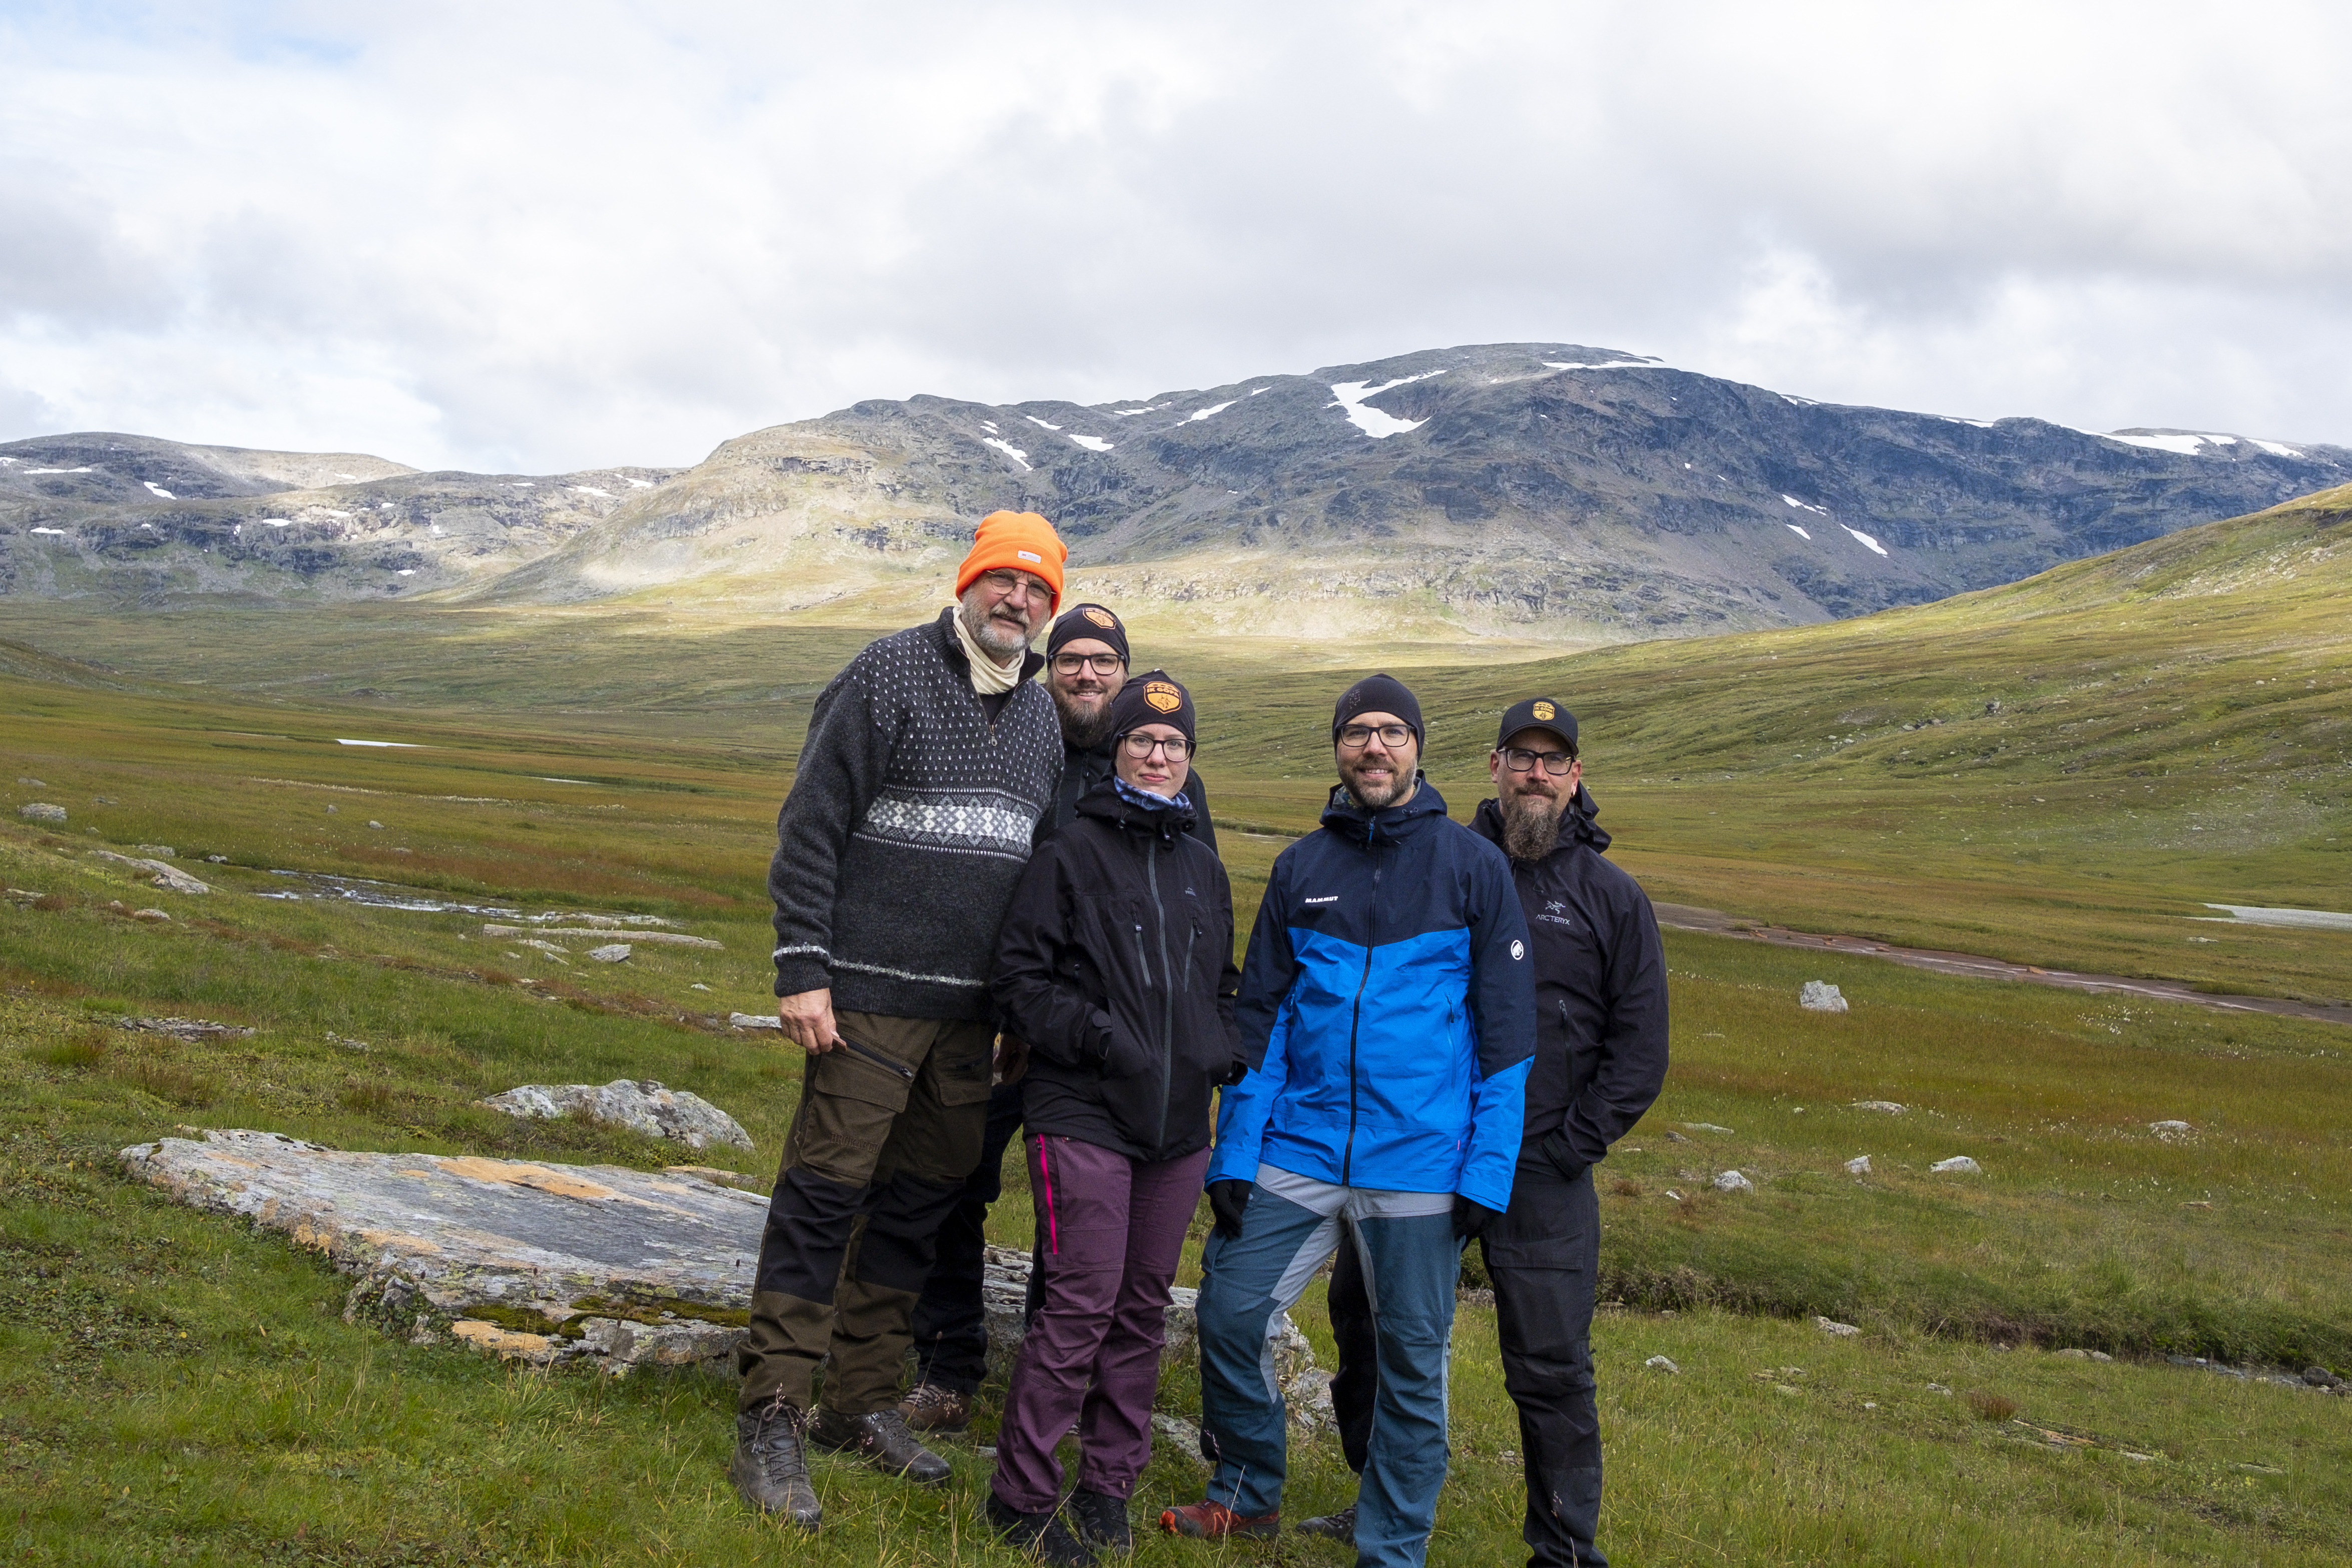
(1008, 582)
(1140, 746)
(1519, 760)
(1100, 663)
(1355, 736)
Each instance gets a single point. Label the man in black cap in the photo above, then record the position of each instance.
(1085, 666)
(1601, 1059)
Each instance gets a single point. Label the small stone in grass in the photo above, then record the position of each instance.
(41, 811)
(1732, 1181)
(1858, 1165)
(2170, 1131)
(149, 915)
(612, 953)
(1663, 1365)
(1820, 997)
(1937, 1388)
(378, 826)
(1958, 1165)
(1888, 1106)
(1835, 1330)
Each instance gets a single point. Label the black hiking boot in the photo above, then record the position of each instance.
(1340, 1526)
(1043, 1535)
(1101, 1521)
(882, 1439)
(770, 1467)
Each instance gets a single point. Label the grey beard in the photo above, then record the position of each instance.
(1531, 827)
(1082, 734)
(989, 634)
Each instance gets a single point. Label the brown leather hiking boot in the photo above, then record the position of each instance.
(884, 1441)
(928, 1407)
(1210, 1520)
(770, 1468)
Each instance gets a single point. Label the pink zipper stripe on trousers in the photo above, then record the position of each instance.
(1045, 1172)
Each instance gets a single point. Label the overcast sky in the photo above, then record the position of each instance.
(532, 237)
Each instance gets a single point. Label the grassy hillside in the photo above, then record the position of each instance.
(181, 1389)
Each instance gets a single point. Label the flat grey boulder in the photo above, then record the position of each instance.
(41, 811)
(549, 1264)
(640, 1104)
(1820, 997)
(1958, 1165)
(163, 874)
(610, 953)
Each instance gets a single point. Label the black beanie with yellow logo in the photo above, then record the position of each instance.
(1152, 698)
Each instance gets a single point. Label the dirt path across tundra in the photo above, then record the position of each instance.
(1690, 917)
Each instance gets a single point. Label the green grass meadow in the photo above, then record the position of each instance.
(2171, 731)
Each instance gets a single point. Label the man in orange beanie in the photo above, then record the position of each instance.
(929, 760)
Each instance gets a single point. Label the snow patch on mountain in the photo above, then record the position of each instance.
(1867, 543)
(1009, 450)
(1371, 421)
(1091, 443)
(1200, 413)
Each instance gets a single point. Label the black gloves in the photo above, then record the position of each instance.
(1471, 1218)
(1227, 1199)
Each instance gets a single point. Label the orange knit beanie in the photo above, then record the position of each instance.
(1021, 542)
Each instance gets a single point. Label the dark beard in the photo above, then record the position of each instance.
(1081, 735)
(1531, 827)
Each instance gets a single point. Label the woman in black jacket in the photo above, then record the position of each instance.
(1114, 963)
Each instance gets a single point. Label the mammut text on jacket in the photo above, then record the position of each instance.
(1388, 1005)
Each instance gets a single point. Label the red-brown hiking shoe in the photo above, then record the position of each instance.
(1210, 1520)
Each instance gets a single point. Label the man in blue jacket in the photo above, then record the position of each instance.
(1387, 1011)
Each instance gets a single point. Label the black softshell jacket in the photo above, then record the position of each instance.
(1601, 988)
(1116, 964)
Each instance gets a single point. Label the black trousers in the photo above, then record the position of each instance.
(951, 1324)
(1544, 1256)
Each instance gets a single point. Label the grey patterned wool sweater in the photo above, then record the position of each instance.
(906, 827)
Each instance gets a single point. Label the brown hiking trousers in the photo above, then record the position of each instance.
(879, 1152)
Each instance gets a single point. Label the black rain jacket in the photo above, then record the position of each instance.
(1116, 964)
(1601, 990)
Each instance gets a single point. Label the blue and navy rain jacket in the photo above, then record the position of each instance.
(1387, 1009)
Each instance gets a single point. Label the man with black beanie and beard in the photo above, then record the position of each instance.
(1601, 1059)
(1085, 669)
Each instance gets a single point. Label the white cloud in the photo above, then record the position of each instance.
(538, 238)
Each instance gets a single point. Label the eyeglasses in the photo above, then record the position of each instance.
(1355, 735)
(1100, 663)
(1140, 746)
(1519, 760)
(1009, 583)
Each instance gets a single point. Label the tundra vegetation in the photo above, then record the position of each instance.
(2064, 772)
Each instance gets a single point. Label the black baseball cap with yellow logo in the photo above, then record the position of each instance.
(1151, 697)
(1538, 713)
(1087, 621)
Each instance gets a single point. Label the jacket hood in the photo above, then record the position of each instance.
(1576, 823)
(1106, 802)
(1343, 816)
(951, 648)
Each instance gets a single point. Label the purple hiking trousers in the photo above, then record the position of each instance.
(1112, 1228)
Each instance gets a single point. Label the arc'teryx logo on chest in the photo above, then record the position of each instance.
(1556, 913)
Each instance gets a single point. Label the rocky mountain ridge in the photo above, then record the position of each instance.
(1548, 491)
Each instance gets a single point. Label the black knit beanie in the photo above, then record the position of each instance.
(1152, 698)
(1378, 693)
(1087, 621)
